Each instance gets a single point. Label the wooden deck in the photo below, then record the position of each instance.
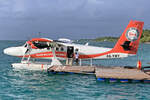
(74, 69)
(104, 72)
(121, 73)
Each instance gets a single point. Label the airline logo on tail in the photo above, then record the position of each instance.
(132, 34)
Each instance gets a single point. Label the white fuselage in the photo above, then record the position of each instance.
(85, 52)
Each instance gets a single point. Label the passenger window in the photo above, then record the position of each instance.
(62, 49)
(48, 48)
(57, 49)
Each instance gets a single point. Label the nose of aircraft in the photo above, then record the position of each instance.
(13, 51)
(6, 51)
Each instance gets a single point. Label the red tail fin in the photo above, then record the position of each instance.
(129, 40)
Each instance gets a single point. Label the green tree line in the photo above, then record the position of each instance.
(144, 38)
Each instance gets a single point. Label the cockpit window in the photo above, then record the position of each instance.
(40, 44)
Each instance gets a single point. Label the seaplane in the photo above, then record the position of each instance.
(61, 49)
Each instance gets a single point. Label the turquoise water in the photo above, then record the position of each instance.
(36, 85)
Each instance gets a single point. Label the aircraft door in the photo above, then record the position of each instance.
(70, 51)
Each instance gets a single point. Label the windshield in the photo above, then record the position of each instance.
(25, 45)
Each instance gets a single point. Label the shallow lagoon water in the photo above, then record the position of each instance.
(37, 85)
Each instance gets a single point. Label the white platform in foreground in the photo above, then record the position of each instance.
(31, 66)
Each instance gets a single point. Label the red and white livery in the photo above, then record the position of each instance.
(41, 48)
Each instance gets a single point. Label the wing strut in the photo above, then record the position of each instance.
(55, 61)
(29, 49)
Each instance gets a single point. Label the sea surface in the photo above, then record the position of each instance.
(38, 85)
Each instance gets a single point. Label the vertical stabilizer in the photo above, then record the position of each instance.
(129, 40)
